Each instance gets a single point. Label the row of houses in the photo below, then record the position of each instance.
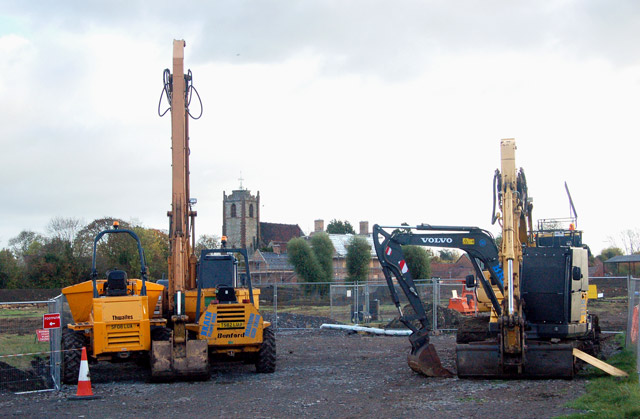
(268, 267)
(244, 228)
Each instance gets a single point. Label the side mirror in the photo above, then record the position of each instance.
(576, 273)
(470, 281)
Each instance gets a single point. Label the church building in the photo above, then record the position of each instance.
(243, 228)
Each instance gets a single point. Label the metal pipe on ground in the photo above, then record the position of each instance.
(374, 330)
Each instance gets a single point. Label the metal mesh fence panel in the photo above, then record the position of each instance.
(308, 305)
(29, 354)
(633, 334)
(295, 305)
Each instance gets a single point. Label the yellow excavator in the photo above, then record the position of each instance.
(536, 284)
(211, 309)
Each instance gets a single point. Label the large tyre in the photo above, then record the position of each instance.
(266, 362)
(72, 343)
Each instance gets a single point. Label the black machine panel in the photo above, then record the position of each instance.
(215, 270)
(545, 284)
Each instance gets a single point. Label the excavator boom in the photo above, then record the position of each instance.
(180, 356)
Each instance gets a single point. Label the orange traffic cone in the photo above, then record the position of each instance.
(84, 382)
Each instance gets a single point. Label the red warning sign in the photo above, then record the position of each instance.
(51, 321)
(43, 335)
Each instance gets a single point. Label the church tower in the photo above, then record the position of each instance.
(241, 219)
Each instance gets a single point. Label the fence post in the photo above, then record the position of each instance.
(367, 307)
(275, 305)
(55, 342)
(331, 301)
(635, 301)
(631, 291)
(356, 291)
(436, 298)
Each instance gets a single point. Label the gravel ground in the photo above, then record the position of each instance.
(319, 374)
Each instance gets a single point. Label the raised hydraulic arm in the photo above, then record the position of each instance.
(181, 355)
(482, 251)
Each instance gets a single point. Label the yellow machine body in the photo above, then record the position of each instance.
(229, 329)
(115, 324)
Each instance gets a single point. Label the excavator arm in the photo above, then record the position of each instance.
(180, 355)
(477, 243)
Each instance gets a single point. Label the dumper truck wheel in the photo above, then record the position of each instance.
(72, 343)
(266, 362)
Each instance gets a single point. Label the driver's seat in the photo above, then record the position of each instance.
(116, 283)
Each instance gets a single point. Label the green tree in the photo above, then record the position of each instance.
(340, 227)
(610, 252)
(206, 241)
(26, 243)
(402, 230)
(323, 249)
(358, 259)
(83, 242)
(10, 271)
(304, 262)
(52, 266)
(418, 261)
(449, 255)
(607, 254)
(156, 250)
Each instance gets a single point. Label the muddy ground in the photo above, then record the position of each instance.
(319, 374)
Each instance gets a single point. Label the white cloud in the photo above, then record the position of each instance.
(380, 111)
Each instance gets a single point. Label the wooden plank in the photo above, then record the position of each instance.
(609, 369)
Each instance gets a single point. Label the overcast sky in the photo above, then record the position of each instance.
(385, 111)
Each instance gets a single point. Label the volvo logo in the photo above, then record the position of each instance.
(436, 240)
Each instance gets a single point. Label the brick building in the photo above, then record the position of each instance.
(340, 243)
(460, 269)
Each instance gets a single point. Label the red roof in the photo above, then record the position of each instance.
(273, 232)
(460, 269)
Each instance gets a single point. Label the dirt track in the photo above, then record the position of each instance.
(320, 374)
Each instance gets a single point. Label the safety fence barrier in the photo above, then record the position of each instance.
(633, 335)
(307, 305)
(29, 350)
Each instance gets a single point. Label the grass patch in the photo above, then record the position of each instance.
(611, 397)
(20, 344)
(22, 313)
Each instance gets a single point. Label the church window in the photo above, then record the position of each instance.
(233, 210)
(251, 211)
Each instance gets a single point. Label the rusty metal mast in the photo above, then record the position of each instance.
(181, 217)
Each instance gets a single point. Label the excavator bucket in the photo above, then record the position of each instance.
(542, 360)
(425, 360)
(190, 360)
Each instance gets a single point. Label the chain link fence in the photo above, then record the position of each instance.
(307, 305)
(632, 335)
(29, 354)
